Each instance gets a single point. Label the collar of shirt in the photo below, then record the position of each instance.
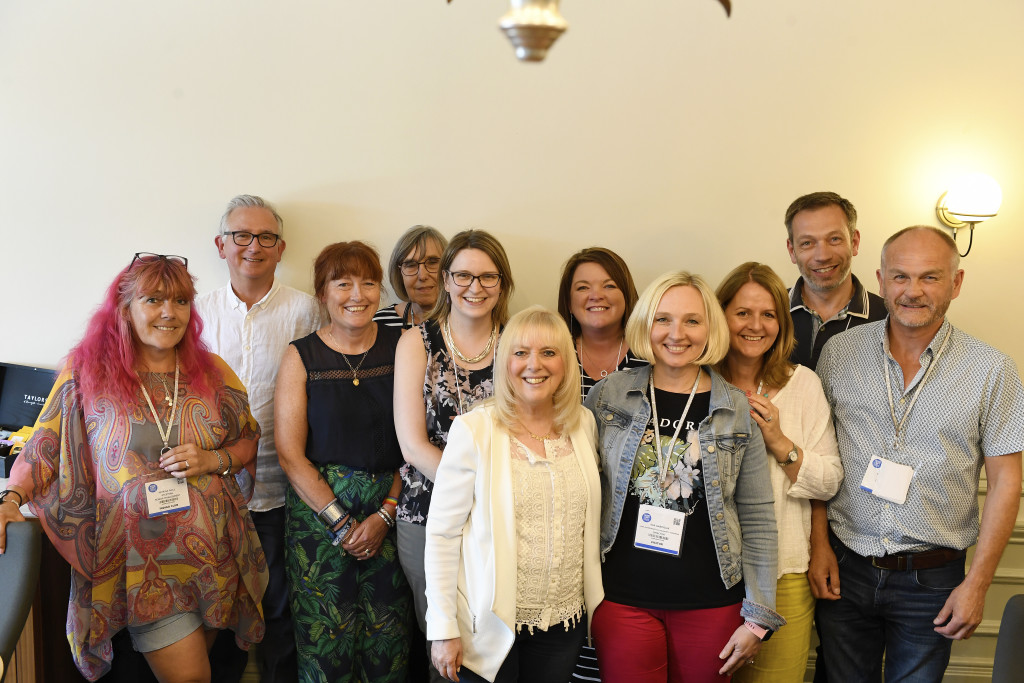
(925, 359)
(238, 304)
(857, 306)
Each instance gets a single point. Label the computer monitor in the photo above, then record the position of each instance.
(23, 391)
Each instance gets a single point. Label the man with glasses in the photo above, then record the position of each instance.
(250, 322)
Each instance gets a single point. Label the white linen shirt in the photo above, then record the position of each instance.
(252, 343)
(804, 417)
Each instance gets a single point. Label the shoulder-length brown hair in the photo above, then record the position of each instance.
(777, 368)
(487, 243)
(617, 270)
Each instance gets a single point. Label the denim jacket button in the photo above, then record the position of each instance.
(609, 417)
(714, 482)
(711, 449)
(719, 516)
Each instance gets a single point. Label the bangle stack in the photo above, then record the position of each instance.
(330, 515)
(386, 516)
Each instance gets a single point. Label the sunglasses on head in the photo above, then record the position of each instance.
(147, 257)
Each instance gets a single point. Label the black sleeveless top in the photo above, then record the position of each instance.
(351, 425)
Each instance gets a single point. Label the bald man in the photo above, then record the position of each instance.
(919, 407)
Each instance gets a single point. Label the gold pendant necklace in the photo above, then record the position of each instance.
(344, 357)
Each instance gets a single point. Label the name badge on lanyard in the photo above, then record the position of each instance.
(887, 480)
(164, 496)
(660, 530)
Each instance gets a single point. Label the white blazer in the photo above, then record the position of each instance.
(470, 557)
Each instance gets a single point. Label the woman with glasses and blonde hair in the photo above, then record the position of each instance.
(512, 539)
(442, 367)
(788, 404)
(688, 534)
(412, 272)
(139, 469)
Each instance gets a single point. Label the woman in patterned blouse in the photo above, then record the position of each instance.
(442, 367)
(139, 469)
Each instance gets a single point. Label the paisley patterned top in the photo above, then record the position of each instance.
(86, 467)
(445, 387)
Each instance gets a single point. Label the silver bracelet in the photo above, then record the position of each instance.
(220, 460)
(331, 514)
(383, 514)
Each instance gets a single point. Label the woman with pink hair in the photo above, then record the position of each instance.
(139, 470)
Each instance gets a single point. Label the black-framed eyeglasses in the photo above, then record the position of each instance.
(244, 239)
(412, 267)
(147, 257)
(464, 279)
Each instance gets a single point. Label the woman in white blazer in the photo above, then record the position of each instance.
(512, 559)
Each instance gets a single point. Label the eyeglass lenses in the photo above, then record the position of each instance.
(463, 279)
(244, 239)
(147, 257)
(412, 267)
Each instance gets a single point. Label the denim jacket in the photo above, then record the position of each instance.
(737, 483)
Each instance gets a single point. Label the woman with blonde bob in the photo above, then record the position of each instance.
(512, 537)
(788, 404)
(688, 536)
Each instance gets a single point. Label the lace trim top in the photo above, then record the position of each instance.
(550, 514)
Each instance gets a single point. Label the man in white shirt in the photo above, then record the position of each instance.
(249, 322)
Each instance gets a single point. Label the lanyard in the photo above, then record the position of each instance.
(898, 425)
(664, 462)
(165, 436)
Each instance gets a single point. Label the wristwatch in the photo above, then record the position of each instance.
(761, 632)
(791, 457)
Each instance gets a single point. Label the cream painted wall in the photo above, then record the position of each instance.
(660, 129)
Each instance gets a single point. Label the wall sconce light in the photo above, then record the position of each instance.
(532, 26)
(970, 200)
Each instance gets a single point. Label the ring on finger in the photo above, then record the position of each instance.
(186, 464)
(750, 661)
(768, 419)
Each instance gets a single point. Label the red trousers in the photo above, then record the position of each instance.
(638, 645)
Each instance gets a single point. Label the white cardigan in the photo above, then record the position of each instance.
(470, 556)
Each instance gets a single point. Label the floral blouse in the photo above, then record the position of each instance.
(448, 391)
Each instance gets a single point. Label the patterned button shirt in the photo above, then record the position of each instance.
(971, 406)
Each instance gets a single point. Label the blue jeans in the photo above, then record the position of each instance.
(885, 611)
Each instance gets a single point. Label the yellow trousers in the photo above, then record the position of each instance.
(783, 659)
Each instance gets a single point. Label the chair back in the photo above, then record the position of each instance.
(1009, 661)
(19, 574)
